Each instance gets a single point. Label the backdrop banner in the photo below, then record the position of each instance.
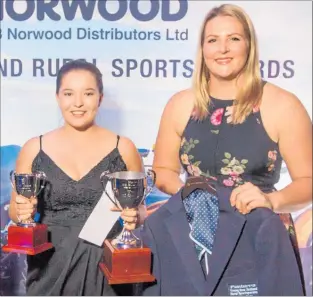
(146, 51)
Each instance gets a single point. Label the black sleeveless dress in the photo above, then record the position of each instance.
(71, 267)
(233, 154)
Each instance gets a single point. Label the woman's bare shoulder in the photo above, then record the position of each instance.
(182, 99)
(179, 106)
(32, 146)
(28, 153)
(280, 108)
(280, 99)
(113, 139)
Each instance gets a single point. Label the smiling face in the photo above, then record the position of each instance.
(225, 47)
(79, 98)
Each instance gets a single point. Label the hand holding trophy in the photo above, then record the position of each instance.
(126, 260)
(27, 237)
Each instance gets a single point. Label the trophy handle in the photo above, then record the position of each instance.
(104, 179)
(40, 176)
(12, 175)
(151, 173)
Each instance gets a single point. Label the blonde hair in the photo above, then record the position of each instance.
(250, 93)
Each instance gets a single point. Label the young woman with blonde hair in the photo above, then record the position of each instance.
(235, 128)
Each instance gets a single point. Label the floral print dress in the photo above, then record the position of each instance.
(233, 154)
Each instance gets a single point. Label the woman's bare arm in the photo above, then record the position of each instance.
(166, 162)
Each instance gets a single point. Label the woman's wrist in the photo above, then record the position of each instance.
(273, 199)
(269, 202)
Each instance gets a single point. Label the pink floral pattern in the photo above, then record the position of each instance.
(192, 167)
(229, 113)
(216, 117)
(272, 157)
(194, 170)
(233, 169)
(228, 182)
(230, 110)
(184, 159)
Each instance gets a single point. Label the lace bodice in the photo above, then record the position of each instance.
(64, 199)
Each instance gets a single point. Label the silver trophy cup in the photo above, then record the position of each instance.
(129, 191)
(28, 185)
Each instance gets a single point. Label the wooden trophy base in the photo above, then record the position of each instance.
(27, 240)
(124, 266)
